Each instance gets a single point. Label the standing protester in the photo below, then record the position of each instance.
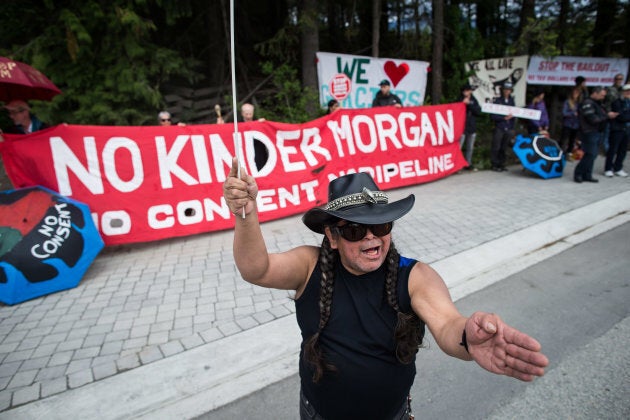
(384, 97)
(593, 116)
(612, 94)
(473, 110)
(619, 134)
(362, 308)
(503, 132)
(580, 83)
(570, 122)
(165, 119)
(24, 122)
(261, 153)
(540, 125)
(333, 105)
(247, 113)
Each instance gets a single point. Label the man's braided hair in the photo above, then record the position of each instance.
(409, 330)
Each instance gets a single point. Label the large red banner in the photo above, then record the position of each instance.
(149, 183)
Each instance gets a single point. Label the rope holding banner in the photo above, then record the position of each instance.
(237, 143)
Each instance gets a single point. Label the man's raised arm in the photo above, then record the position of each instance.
(288, 270)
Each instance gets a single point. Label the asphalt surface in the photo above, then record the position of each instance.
(574, 303)
(178, 307)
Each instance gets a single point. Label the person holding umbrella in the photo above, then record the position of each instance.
(24, 122)
(19, 83)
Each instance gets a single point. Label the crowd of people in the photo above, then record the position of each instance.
(592, 120)
(603, 121)
(362, 308)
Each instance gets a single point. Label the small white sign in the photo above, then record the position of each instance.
(526, 113)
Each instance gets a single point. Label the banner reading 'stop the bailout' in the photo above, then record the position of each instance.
(354, 80)
(562, 70)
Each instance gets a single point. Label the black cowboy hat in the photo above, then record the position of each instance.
(356, 198)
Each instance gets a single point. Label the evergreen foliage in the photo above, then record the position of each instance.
(114, 59)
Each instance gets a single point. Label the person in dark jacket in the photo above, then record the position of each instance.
(503, 132)
(362, 308)
(619, 134)
(570, 122)
(473, 110)
(593, 118)
(385, 97)
(24, 122)
(333, 105)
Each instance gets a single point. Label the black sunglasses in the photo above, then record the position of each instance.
(165, 119)
(354, 232)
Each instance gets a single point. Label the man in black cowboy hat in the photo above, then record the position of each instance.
(362, 308)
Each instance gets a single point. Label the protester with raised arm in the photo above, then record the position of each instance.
(362, 308)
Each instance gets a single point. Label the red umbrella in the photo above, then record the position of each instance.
(21, 81)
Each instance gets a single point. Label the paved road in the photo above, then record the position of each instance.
(575, 303)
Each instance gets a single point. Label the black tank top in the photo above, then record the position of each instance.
(369, 382)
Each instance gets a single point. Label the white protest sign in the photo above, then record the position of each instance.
(490, 74)
(408, 79)
(518, 112)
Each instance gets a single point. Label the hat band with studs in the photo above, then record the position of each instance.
(364, 197)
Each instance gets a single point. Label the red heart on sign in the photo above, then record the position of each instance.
(394, 72)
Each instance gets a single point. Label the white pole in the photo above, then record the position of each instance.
(237, 143)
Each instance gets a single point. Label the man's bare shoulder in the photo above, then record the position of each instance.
(423, 278)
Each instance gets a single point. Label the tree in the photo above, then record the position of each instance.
(527, 16)
(376, 26)
(110, 71)
(119, 58)
(604, 23)
(438, 46)
(309, 30)
(565, 6)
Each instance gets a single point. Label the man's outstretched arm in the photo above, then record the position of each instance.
(494, 345)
